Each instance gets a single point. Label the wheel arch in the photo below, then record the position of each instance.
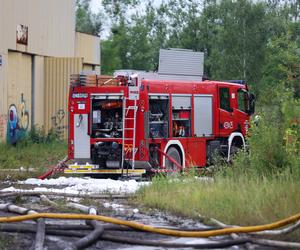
(176, 144)
(238, 138)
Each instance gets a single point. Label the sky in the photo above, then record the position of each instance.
(95, 5)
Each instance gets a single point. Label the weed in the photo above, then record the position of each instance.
(34, 153)
(240, 200)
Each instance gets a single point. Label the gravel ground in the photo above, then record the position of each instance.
(117, 208)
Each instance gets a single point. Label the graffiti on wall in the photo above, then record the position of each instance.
(17, 121)
(58, 121)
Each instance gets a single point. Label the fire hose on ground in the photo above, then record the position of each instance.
(147, 228)
(58, 168)
(102, 232)
(62, 165)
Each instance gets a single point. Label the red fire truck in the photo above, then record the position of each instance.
(133, 126)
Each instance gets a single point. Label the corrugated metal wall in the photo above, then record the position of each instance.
(88, 47)
(38, 100)
(19, 81)
(57, 75)
(30, 77)
(3, 98)
(51, 26)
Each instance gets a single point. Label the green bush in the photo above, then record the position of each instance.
(274, 138)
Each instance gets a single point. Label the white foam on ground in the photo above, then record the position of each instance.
(73, 185)
(117, 207)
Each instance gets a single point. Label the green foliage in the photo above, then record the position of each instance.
(118, 8)
(115, 50)
(86, 21)
(240, 36)
(253, 40)
(37, 150)
(140, 47)
(283, 64)
(274, 141)
(38, 135)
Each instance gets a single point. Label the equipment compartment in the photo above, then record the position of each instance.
(158, 116)
(181, 123)
(107, 118)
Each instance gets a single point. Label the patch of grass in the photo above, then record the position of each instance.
(8, 175)
(28, 154)
(240, 201)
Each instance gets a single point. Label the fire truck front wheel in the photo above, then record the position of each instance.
(174, 154)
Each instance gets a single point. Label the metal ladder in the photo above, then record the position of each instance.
(128, 143)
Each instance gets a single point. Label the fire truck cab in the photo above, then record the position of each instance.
(134, 126)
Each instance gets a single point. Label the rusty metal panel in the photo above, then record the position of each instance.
(22, 34)
(57, 75)
(87, 47)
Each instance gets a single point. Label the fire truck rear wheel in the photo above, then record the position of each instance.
(233, 150)
(174, 154)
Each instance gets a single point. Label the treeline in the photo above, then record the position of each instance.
(258, 41)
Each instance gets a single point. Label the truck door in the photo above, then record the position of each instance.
(226, 117)
(241, 109)
(81, 137)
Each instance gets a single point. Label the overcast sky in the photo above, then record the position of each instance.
(95, 5)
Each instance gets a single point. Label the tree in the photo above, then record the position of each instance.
(238, 39)
(117, 9)
(234, 35)
(283, 61)
(115, 50)
(86, 21)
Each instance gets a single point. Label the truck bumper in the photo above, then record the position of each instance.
(93, 169)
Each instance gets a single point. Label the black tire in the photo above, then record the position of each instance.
(233, 151)
(174, 154)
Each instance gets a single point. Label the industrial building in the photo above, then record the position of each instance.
(39, 49)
